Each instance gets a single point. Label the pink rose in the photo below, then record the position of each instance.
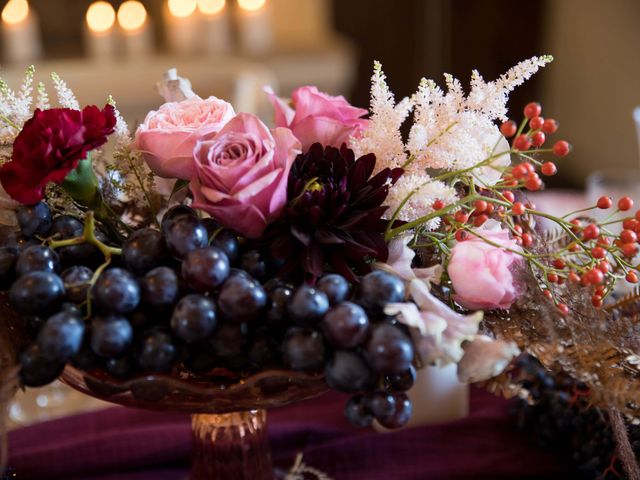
(318, 117)
(168, 136)
(481, 273)
(242, 172)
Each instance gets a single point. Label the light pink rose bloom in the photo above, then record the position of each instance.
(168, 135)
(481, 273)
(318, 117)
(242, 173)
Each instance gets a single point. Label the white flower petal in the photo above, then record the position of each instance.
(484, 358)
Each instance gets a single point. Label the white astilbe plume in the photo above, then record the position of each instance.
(452, 131)
(24, 99)
(66, 98)
(383, 137)
(42, 101)
(420, 192)
(121, 133)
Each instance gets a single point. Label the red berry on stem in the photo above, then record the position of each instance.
(629, 249)
(590, 232)
(563, 309)
(538, 139)
(604, 202)
(548, 169)
(508, 196)
(604, 266)
(548, 294)
(631, 277)
(532, 109)
(461, 216)
(638, 215)
(480, 206)
(529, 167)
(533, 182)
(628, 236)
(596, 301)
(552, 277)
(561, 148)
(625, 203)
(550, 126)
(438, 204)
(518, 229)
(573, 277)
(598, 252)
(462, 235)
(522, 143)
(508, 128)
(480, 219)
(595, 276)
(559, 264)
(536, 123)
(527, 239)
(518, 208)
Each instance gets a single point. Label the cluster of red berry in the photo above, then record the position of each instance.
(530, 142)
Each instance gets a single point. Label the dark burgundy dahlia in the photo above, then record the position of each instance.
(333, 219)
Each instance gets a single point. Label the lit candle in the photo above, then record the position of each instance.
(182, 26)
(216, 37)
(136, 28)
(99, 32)
(254, 27)
(20, 32)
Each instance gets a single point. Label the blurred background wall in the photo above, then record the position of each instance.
(592, 86)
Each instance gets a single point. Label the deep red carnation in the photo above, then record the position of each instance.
(50, 146)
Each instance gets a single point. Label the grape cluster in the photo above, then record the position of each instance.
(563, 420)
(191, 298)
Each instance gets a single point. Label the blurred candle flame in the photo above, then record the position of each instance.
(211, 7)
(182, 8)
(100, 16)
(251, 5)
(131, 15)
(15, 11)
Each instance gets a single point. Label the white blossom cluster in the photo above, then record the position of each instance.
(450, 131)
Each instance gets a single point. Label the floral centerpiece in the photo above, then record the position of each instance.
(208, 246)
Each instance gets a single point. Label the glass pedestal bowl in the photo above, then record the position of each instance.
(228, 417)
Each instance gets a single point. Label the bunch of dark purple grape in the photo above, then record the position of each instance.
(190, 298)
(560, 414)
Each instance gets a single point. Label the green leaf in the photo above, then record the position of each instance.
(178, 186)
(82, 184)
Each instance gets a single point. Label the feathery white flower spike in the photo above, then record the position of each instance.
(66, 98)
(383, 137)
(42, 101)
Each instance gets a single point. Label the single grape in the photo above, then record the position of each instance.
(174, 213)
(37, 258)
(65, 227)
(357, 413)
(401, 382)
(194, 318)
(381, 404)
(227, 241)
(277, 312)
(160, 288)
(157, 352)
(303, 349)
(211, 225)
(36, 292)
(307, 306)
(205, 269)
(389, 350)
(110, 335)
(241, 299)
(120, 367)
(185, 234)
(61, 336)
(33, 323)
(36, 370)
(117, 291)
(76, 281)
(347, 371)
(144, 250)
(335, 287)
(8, 258)
(34, 219)
(228, 340)
(379, 288)
(401, 413)
(345, 325)
(14, 239)
(254, 263)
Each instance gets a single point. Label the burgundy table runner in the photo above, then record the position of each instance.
(128, 444)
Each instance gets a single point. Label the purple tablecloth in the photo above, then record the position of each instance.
(127, 444)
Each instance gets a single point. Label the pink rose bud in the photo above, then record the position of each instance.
(241, 174)
(168, 136)
(318, 117)
(481, 273)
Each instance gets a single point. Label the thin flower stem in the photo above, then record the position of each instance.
(9, 122)
(154, 214)
(88, 236)
(586, 209)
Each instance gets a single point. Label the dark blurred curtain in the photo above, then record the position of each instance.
(416, 38)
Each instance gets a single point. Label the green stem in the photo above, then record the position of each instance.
(88, 236)
(9, 122)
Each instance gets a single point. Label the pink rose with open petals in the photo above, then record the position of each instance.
(168, 136)
(318, 117)
(241, 174)
(481, 273)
